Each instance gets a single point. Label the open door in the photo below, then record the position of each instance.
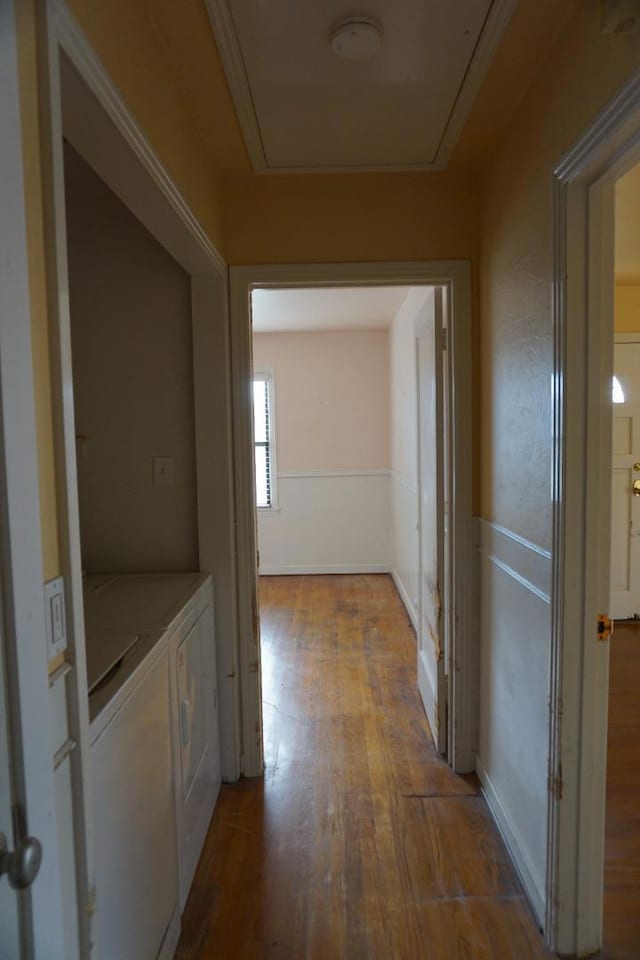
(30, 898)
(432, 680)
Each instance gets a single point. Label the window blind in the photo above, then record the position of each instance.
(262, 440)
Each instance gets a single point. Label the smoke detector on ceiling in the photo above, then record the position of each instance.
(357, 38)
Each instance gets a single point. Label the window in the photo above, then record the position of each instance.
(264, 447)
(617, 393)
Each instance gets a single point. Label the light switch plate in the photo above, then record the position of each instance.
(54, 617)
(163, 471)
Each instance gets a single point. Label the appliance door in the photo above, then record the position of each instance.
(135, 829)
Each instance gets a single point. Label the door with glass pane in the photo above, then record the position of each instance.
(625, 482)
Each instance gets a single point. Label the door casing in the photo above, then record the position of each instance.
(454, 277)
(582, 311)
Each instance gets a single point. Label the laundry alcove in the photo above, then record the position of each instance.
(148, 611)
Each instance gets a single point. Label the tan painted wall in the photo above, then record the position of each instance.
(331, 218)
(583, 71)
(37, 282)
(130, 47)
(130, 306)
(627, 309)
(332, 398)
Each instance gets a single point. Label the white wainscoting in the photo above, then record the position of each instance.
(405, 543)
(515, 624)
(327, 522)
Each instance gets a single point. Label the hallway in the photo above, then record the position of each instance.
(360, 843)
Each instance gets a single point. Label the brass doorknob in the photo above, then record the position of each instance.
(636, 467)
(636, 488)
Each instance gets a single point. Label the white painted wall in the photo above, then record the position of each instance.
(327, 523)
(404, 461)
(515, 583)
(332, 452)
(133, 384)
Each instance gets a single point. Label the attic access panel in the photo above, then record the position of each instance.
(304, 109)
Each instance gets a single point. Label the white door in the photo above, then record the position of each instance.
(37, 911)
(9, 919)
(432, 679)
(625, 501)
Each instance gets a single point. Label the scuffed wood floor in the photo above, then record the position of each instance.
(360, 843)
(622, 835)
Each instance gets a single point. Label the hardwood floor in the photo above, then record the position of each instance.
(622, 843)
(359, 843)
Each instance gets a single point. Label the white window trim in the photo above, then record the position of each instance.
(267, 374)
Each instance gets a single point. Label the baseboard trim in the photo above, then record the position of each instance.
(404, 596)
(171, 938)
(335, 568)
(505, 826)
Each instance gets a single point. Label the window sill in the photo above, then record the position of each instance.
(266, 510)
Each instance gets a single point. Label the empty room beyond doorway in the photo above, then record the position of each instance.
(350, 449)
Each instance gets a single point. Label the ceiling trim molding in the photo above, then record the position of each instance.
(492, 32)
(223, 26)
(226, 38)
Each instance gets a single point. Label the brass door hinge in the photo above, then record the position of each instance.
(605, 627)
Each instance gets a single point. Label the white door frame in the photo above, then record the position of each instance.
(454, 275)
(80, 102)
(582, 308)
(20, 531)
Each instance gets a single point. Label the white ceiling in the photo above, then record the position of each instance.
(336, 308)
(627, 263)
(303, 109)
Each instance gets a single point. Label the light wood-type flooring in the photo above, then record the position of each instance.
(622, 843)
(359, 843)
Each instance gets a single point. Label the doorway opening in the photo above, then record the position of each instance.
(591, 865)
(621, 925)
(350, 444)
(340, 507)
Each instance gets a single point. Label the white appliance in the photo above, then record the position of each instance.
(154, 750)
